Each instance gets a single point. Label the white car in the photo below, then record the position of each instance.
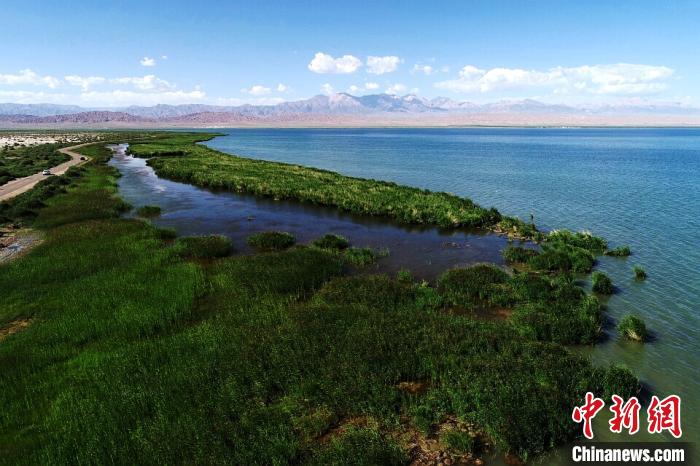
(46, 172)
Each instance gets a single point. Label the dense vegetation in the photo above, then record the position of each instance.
(602, 283)
(633, 328)
(639, 273)
(140, 352)
(16, 162)
(148, 211)
(205, 167)
(271, 241)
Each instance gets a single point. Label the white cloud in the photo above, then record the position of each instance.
(148, 61)
(370, 86)
(85, 82)
(29, 77)
(257, 90)
(396, 89)
(32, 97)
(425, 69)
(381, 65)
(145, 83)
(614, 79)
(235, 101)
(122, 97)
(327, 89)
(323, 64)
(282, 87)
(163, 57)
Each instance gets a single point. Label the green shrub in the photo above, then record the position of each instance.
(271, 241)
(203, 247)
(148, 211)
(639, 273)
(616, 380)
(582, 239)
(359, 447)
(377, 292)
(331, 241)
(458, 441)
(362, 256)
(620, 251)
(469, 286)
(602, 283)
(517, 254)
(404, 276)
(632, 328)
(166, 233)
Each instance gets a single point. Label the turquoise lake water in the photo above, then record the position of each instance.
(639, 187)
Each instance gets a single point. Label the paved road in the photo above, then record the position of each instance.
(21, 185)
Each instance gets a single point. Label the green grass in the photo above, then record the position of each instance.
(18, 162)
(632, 328)
(177, 158)
(639, 273)
(331, 241)
(271, 241)
(148, 211)
(363, 256)
(620, 251)
(138, 355)
(602, 284)
(203, 247)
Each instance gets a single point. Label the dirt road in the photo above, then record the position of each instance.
(20, 185)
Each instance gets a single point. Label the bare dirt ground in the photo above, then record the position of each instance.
(14, 243)
(14, 327)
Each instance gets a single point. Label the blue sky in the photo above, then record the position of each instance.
(128, 52)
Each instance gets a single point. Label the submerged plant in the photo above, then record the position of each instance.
(602, 283)
(633, 328)
(271, 241)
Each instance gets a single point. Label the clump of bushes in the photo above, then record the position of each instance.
(359, 446)
(581, 239)
(203, 247)
(517, 254)
(556, 257)
(148, 211)
(458, 441)
(405, 276)
(620, 251)
(268, 241)
(331, 241)
(602, 283)
(633, 328)
(639, 273)
(472, 285)
(165, 233)
(363, 256)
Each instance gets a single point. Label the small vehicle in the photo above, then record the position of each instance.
(46, 172)
(82, 157)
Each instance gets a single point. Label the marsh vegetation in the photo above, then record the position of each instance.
(139, 351)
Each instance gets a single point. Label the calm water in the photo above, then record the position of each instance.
(633, 186)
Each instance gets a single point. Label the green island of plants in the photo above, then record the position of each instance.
(134, 351)
(632, 328)
(639, 273)
(602, 284)
(179, 159)
(271, 241)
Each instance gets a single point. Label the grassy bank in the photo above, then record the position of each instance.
(205, 167)
(139, 353)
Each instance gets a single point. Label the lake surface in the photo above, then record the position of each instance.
(639, 187)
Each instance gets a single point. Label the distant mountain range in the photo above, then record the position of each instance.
(345, 109)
